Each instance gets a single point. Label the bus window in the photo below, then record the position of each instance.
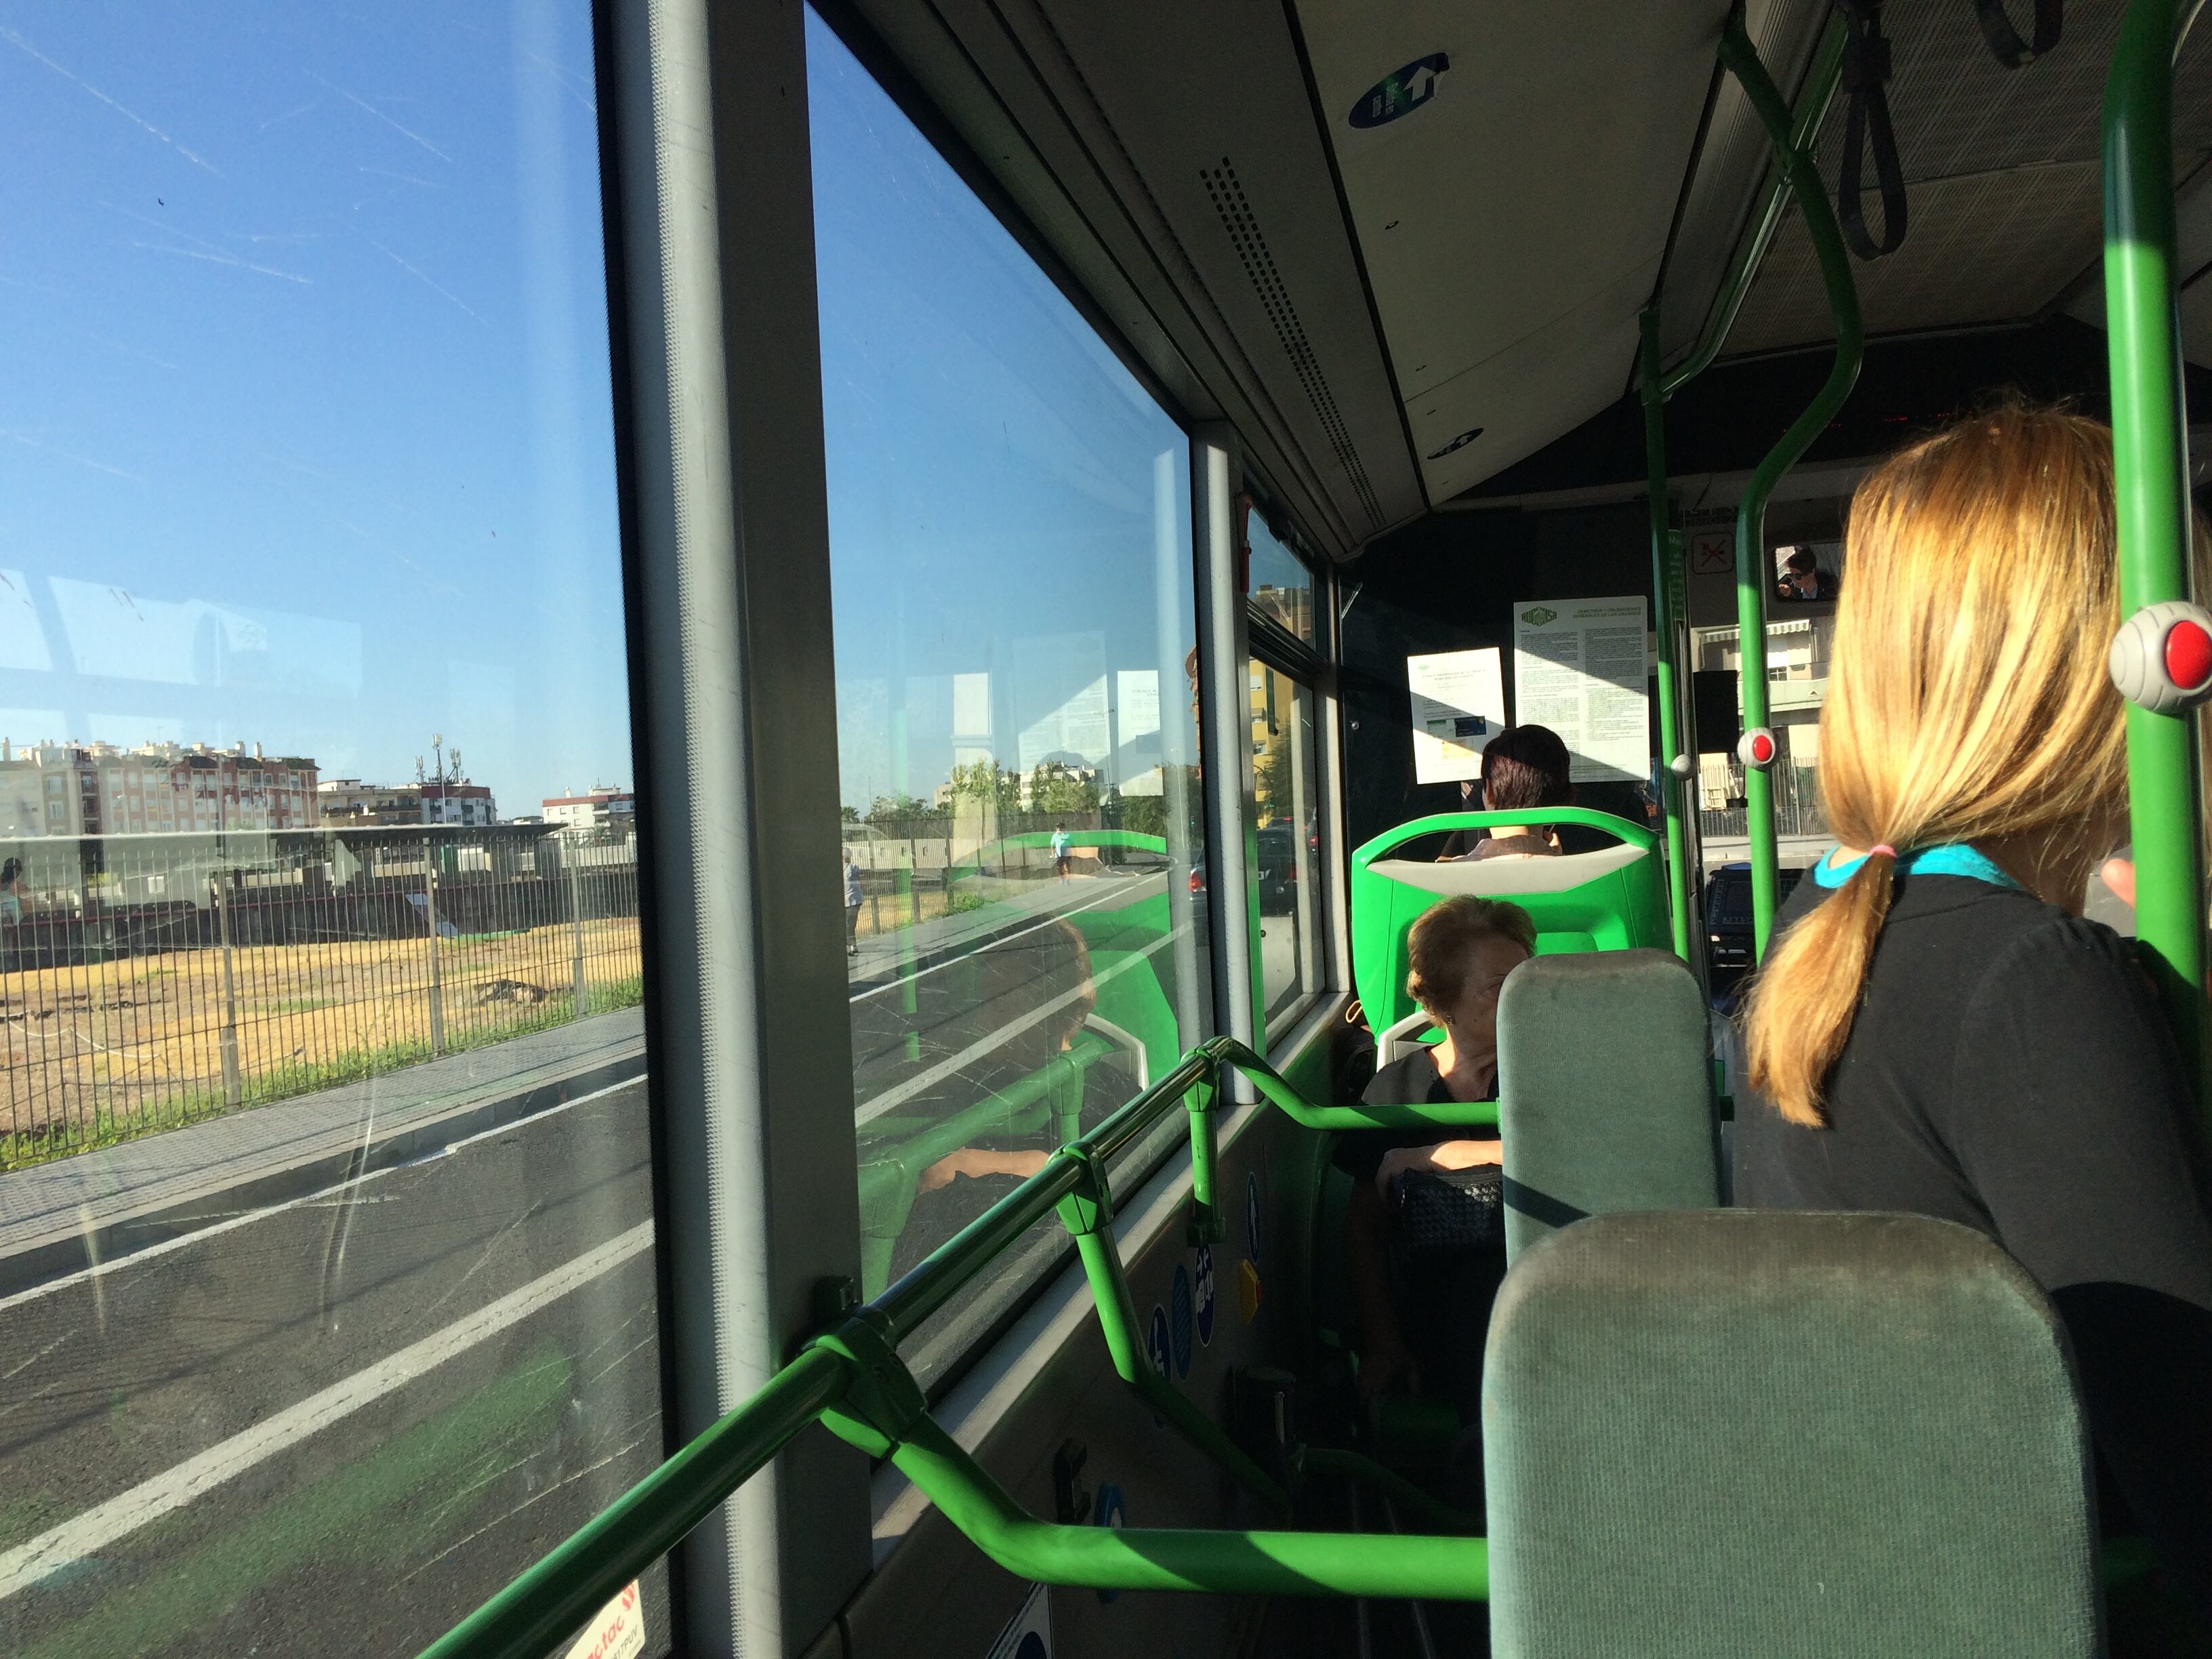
(1280, 585)
(1288, 834)
(1012, 581)
(326, 1264)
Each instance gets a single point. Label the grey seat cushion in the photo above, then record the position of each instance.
(1605, 1091)
(1749, 1433)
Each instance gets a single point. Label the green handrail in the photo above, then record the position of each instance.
(1813, 98)
(1657, 385)
(1672, 785)
(852, 1378)
(2151, 473)
(1751, 573)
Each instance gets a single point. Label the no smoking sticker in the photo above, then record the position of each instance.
(1712, 553)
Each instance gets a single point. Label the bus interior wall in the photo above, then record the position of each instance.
(1449, 581)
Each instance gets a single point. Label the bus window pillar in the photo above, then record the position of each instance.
(1226, 736)
(727, 564)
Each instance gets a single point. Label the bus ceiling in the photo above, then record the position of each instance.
(1402, 248)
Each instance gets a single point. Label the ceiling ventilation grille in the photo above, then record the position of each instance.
(1243, 228)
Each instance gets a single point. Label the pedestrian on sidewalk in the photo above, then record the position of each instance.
(1062, 862)
(852, 905)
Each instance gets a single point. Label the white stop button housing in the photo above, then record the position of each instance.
(2162, 658)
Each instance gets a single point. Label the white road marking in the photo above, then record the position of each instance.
(320, 1199)
(876, 1105)
(1128, 892)
(101, 1526)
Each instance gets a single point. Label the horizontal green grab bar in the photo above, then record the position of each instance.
(550, 1600)
(853, 1378)
(941, 1276)
(1225, 1562)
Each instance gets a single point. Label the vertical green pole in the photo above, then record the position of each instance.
(2150, 467)
(1087, 1214)
(1204, 1104)
(1663, 626)
(1751, 573)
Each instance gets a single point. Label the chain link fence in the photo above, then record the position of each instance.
(148, 981)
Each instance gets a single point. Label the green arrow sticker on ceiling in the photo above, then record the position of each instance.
(1400, 93)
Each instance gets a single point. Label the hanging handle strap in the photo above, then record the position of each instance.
(2004, 40)
(1866, 79)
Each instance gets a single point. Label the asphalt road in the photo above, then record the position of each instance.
(335, 1426)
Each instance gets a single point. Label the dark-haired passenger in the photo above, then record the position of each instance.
(1524, 769)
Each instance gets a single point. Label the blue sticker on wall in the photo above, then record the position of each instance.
(1400, 92)
(1156, 1340)
(1180, 1319)
(1252, 1215)
(1202, 1290)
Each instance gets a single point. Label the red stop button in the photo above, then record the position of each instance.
(2188, 655)
(1762, 746)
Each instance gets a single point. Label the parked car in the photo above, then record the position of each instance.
(1728, 913)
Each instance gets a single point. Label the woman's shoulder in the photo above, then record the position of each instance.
(1406, 1081)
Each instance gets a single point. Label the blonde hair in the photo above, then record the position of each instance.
(1440, 945)
(1968, 697)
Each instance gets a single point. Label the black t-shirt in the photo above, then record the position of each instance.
(2009, 1069)
(1409, 1080)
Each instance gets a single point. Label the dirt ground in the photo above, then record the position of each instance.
(109, 1048)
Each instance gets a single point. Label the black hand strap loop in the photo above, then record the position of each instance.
(2004, 40)
(1866, 76)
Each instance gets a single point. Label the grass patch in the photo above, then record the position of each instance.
(961, 903)
(617, 994)
(289, 1079)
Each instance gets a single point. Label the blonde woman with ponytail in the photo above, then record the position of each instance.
(1937, 1029)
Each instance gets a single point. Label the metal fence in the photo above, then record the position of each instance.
(1797, 806)
(148, 981)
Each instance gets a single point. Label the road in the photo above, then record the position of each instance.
(336, 1425)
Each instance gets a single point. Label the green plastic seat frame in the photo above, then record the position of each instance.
(1614, 899)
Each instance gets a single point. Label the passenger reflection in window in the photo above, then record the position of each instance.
(1034, 993)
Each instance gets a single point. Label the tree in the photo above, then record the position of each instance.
(1054, 787)
(848, 814)
(988, 783)
(1273, 781)
(893, 809)
(1142, 815)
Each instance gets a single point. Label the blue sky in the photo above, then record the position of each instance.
(1004, 493)
(305, 436)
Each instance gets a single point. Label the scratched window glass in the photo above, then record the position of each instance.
(1017, 727)
(326, 1284)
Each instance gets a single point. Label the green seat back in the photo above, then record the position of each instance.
(1605, 1091)
(1611, 900)
(1135, 973)
(1752, 1433)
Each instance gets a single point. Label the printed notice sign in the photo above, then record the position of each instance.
(1579, 667)
(1459, 705)
(618, 1633)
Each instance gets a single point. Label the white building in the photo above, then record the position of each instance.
(101, 788)
(600, 807)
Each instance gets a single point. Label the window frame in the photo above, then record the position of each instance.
(894, 80)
